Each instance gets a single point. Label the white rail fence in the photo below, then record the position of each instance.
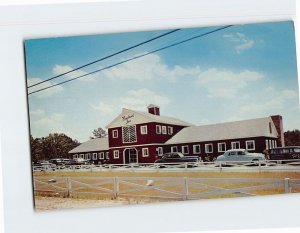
(276, 165)
(162, 187)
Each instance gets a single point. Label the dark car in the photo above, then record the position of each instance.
(284, 153)
(176, 158)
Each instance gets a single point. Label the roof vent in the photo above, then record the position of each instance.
(153, 109)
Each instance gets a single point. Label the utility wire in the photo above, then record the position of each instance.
(134, 58)
(104, 58)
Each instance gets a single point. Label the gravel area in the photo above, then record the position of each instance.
(53, 203)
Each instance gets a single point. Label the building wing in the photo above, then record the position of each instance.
(97, 144)
(261, 127)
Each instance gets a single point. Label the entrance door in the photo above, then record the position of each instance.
(130, 155)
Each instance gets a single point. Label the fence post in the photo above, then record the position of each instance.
(185, 166)
(185, 188)
(116, 187)
(287, 188)
(259, 166)
(69, 186)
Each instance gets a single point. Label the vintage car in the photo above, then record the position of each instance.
(176, 158)
(284, 153)
(240, 155)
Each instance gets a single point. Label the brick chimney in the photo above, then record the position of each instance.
(153, 109)
(277, 120)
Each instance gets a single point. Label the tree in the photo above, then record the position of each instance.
(292, 138)
(53, 146)
(99, 133)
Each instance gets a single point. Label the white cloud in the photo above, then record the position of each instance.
(38, 112)
(226, 83)
(140, 99)
(44, 93)
(103, 108)
(59, 69)
(50, 124)
(241, 41)
(148, 68)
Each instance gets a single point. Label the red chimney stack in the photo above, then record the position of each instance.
(153, 109)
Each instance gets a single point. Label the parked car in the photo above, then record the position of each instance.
(240, 155)
(58, 161)
(284, 153)
(176, 158)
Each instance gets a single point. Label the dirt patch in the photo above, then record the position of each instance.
(53, 203)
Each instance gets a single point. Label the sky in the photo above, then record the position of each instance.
(242, 72)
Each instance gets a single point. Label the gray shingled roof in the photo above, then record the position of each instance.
(222, 131)
(97, 144)
(147, 117)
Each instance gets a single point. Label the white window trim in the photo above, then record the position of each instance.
(145, 152)
(187, 148)
(158, 129)
(75, 156)
(113, 133)
(172, 149)
(236, 142)
(159, 149)
(81, 156)
(206, 148)
(94, 156)
(194, 149)
(116, 154)
(220, 149)
(107, 155)
(164, 129)
(101, 155)
(247, 147)
(146, 129)
(170, 130)
(267, 144)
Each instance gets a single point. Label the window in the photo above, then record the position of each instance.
(174, 149)
(208, 148)
(159, 150)
(81, 156)
(129, 134)
(170, 130)
(235, 145)
(145, 152)
(267, 145)
(164, 129)
(158, 129)
(101, 155)
(94, 156)
(185, 149)
(107, 155)
(87, 156)
(115, 133)
(222, 147)
(75, 156)
(270, 127)
(275, 144)
(116, 154)
(250, 145)
(270, 144)
(196, 149)
(144, 129)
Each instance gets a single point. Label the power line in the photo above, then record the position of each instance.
(134, 58)
(104, 58)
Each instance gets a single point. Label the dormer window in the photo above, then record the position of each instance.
(164, 129)
(158, 129)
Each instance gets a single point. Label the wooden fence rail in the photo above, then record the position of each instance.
(163, 187)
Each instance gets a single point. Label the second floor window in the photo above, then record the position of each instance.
(115, 133)
(129, 134)
(144, 129)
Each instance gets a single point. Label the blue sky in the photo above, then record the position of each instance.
(242, 72)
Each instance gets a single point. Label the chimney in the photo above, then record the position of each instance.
(153, 109)
(277, 120)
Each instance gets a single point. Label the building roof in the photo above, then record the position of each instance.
(133, 117)
(97, 144)
(223, 131)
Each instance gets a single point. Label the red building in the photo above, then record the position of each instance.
(139, 137)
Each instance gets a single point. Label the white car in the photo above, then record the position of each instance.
(240, 155)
